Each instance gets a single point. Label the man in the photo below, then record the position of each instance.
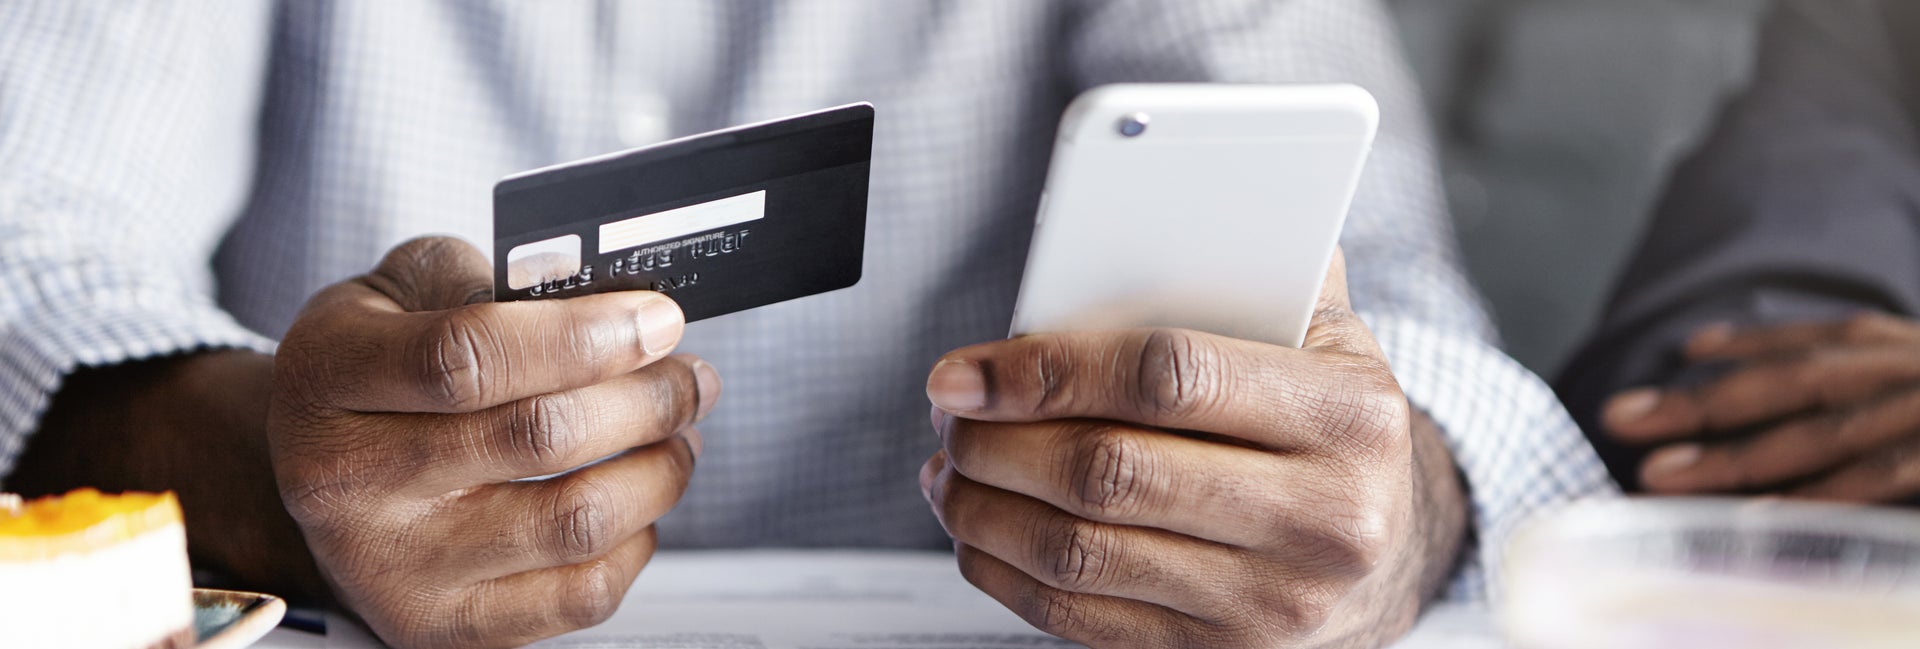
(1312, 496)
(1762, 340)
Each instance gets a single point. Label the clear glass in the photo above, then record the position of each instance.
(1657, 573)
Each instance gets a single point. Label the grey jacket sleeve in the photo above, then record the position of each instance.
(1801, 206)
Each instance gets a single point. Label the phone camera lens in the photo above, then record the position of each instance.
(1133, 125)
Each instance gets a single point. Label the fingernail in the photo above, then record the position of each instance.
(926, 481)
(661, 324)
(1672, 460)
(707, 382)
(957, 386)
(933, 417)
(1631, 405)
(1709, 338)
(695, 442)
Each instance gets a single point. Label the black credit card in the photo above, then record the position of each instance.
(721, 222)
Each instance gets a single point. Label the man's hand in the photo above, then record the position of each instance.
(1825, 410)
(1170, 488)
(404, 409)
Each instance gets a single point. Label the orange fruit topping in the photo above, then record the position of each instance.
(83, 520)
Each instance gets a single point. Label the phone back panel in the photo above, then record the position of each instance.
(1221, 215)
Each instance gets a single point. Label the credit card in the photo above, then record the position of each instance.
(721, 222)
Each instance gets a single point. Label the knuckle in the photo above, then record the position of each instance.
(307, 363)
(1114, 473)
(317, 492)
(591, 597)
(429, 618)
(1359, 542)
(312, 503)
(414, 273)
(297, 362)
(1078, 553)
(1345, 545)
(541, 434)
(1311, 608)
(422, 251)
(1176, 375)
(582, 525)
(593, 342)
(1368, 412)
(298, 421)
(448, 367)
(1049, 365)
(1254, 617)
(1055, 611)
(969, 563)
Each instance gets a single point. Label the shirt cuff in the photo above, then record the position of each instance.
(39, 348)
(1519, 451)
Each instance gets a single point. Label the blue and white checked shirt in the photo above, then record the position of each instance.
(182, 174)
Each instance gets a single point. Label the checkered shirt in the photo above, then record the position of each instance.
(182, 174)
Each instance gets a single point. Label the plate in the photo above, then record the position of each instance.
(230, 619)
(1715, 572)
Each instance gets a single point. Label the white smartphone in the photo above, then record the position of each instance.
(1200, 206)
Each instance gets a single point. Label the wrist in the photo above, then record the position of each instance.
(194, 424)
(1443, 518)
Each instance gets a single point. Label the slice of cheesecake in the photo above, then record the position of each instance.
(93, 571)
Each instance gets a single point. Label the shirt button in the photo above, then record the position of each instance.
(644, 121)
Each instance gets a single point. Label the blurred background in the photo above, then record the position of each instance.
(1561, 120)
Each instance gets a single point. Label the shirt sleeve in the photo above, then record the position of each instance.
(126, 148)
(1513, 442)
(1800, 206)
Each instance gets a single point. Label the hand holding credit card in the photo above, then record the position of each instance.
(522, 414)
(721, 222)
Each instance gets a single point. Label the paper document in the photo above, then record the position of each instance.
(799, 599)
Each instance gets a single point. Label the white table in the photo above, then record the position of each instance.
(834, 598)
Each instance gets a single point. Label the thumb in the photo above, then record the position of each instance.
(1335, 326)
(434, 274)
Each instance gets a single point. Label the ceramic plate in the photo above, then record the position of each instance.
(230, 619)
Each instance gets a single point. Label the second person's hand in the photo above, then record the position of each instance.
(1827, 410)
